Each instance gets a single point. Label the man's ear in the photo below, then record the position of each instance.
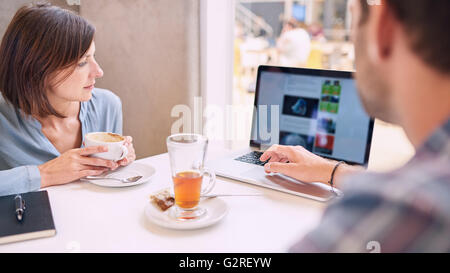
(381, 36)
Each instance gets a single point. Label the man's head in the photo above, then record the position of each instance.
(383, 30)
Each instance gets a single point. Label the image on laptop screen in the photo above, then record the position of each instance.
(319, 112)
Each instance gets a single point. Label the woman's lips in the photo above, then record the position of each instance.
(90, 87)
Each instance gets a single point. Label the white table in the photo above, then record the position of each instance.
(89, 218)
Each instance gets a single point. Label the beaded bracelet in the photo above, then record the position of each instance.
(331, 182)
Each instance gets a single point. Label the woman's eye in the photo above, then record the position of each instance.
(82, 64)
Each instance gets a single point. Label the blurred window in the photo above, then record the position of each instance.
(297, 33)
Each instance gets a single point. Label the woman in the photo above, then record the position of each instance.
(47, 77)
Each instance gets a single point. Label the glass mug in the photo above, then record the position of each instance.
(187, 156)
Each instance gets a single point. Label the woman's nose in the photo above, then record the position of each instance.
(97, 70)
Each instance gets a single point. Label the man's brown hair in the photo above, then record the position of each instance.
(426, 23)
(40, 41)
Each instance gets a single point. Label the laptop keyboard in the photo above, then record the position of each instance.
(252, 158)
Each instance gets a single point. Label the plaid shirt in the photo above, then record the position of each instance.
(407, 210)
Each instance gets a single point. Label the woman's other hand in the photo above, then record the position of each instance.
(131, 156)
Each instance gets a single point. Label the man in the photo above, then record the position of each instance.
(403, 75)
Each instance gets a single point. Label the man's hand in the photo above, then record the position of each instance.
(299, 163)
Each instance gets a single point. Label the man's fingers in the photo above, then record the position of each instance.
(268, 155)
(92, 150)
(284, 160)
(277, 167)
(280, 151)
(277, 158)
(287, 151)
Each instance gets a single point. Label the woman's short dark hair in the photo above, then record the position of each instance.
(426, 22)
(40, 41)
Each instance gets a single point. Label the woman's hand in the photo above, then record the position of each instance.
(131, 156)
(73, 165)
(301, 164)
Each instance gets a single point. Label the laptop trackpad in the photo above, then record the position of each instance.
(283, 182)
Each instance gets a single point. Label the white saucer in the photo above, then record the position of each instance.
(134, 169)
(216, 209)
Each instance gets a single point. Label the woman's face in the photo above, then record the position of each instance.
(79, 85)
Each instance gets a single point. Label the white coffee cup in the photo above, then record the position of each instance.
(116, 150)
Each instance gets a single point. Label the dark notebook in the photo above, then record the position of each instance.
(37, 219)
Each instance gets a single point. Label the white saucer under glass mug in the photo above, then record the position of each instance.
(187, 156)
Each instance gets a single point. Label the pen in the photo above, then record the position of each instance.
(20, 207)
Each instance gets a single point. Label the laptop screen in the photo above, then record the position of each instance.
(319, 110)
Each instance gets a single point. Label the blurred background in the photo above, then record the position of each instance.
(303, 33)
(157, 54)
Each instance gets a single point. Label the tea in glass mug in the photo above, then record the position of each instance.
(187, 187)
(187, 153)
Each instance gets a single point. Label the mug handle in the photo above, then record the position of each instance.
(211, 182)
(124, 152)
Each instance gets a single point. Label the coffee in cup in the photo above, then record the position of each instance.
(106, 137)
(116, 150)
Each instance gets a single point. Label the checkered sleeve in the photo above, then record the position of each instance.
(365, 223)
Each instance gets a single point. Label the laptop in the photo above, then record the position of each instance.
(317, 109)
